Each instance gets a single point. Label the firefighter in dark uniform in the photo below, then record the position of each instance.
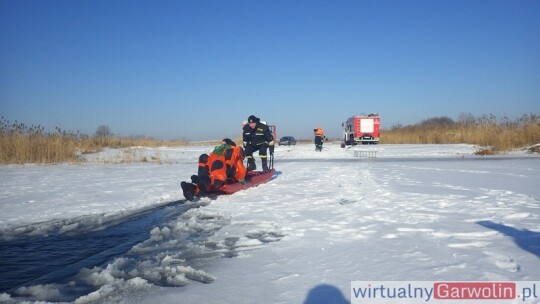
(257, 137)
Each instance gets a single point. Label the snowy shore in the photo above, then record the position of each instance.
(405, 212)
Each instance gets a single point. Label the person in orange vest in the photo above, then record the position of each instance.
(234, 161)
(224, 165)
(319, 138)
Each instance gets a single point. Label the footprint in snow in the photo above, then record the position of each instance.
(517, 216)
(502, 261)
(265, 236)
(346, 202)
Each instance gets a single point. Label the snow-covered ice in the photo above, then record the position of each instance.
(413, 212)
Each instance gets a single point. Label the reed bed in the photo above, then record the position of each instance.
(498, 134)
(20, 143)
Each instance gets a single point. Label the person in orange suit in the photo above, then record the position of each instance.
(234, 161)
(224, 165)
(319, 138)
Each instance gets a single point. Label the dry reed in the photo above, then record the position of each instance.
(21, 144)
(499, 134)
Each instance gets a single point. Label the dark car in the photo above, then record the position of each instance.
(287, 140)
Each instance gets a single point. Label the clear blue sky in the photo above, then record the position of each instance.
(196, 69)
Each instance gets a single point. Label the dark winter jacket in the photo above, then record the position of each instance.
(258, 136)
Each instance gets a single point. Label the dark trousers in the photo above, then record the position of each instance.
(318, 143)
(262, 153)
(263, 148)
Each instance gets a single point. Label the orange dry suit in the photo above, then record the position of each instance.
(234, 161)
(212, 173)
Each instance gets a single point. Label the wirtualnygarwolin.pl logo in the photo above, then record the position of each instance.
(445, 292)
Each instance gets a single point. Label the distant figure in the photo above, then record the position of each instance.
(257, 137)
(319, 138)
(224, 165)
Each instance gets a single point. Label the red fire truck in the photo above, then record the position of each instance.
(361, 129)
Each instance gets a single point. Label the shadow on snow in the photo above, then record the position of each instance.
(526, 239)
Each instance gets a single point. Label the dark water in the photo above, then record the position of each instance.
(57, 258)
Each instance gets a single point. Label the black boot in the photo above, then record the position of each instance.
(202, 188)
(265, 164)
(188, 190)
(251, 164)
